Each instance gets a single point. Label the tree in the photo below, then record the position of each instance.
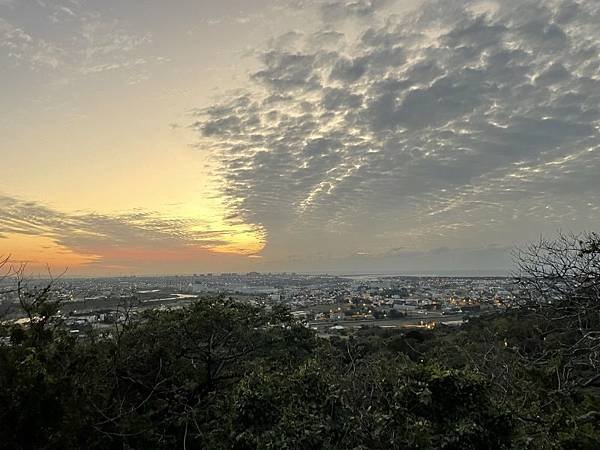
(372, 402)
(223, 374)
(560, 282)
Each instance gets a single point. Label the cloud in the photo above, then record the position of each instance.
(332, 11)
(70, 38)
(136, 239)
(23, 48)
(461, 121)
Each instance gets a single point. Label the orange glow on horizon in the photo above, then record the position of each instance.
(248, 243)
(40, 252)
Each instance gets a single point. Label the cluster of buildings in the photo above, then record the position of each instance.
(321, 301)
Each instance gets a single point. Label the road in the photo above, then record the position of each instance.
(322, 325)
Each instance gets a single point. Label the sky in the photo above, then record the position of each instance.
(295, 135)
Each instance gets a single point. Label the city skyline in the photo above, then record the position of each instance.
(290, 135)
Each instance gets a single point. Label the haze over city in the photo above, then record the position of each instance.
(295, 135)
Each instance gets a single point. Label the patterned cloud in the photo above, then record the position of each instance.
(458, 125)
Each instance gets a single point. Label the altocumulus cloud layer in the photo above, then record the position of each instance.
(458, 129)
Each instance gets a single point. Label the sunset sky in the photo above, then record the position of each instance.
(189, 136)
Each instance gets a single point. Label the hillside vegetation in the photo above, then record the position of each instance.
(223, 374)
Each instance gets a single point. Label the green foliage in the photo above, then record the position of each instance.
(379, 404)
(222, 374)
